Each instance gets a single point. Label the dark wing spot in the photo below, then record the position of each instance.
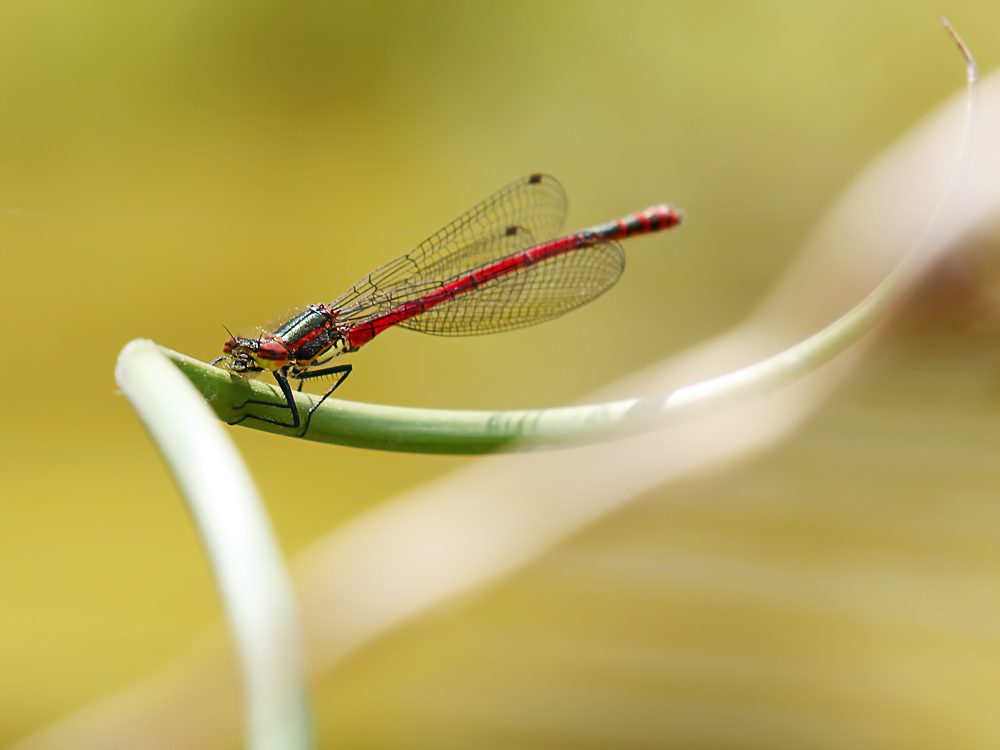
(512, 230)
(535, 179)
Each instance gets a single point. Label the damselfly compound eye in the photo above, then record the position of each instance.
(272, 354)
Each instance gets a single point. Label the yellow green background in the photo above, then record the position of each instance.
(170, 168)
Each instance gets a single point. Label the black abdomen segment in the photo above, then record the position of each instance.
(653, 219)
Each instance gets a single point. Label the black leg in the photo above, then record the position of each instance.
(286, 389)
(289, 404)
(319, 363)
(342, 370)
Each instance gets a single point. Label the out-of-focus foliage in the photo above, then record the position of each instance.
(168, 168)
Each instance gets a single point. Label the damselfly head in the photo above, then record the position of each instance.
(252, 356)
(237, 356)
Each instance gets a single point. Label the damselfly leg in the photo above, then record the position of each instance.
(341, 371)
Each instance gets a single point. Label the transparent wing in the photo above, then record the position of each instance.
(540, 292)
(535, 206)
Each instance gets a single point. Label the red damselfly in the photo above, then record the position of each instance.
(495, 268)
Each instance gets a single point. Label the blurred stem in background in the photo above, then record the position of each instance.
(239, 541)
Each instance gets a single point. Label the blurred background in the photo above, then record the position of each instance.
(167, 169)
